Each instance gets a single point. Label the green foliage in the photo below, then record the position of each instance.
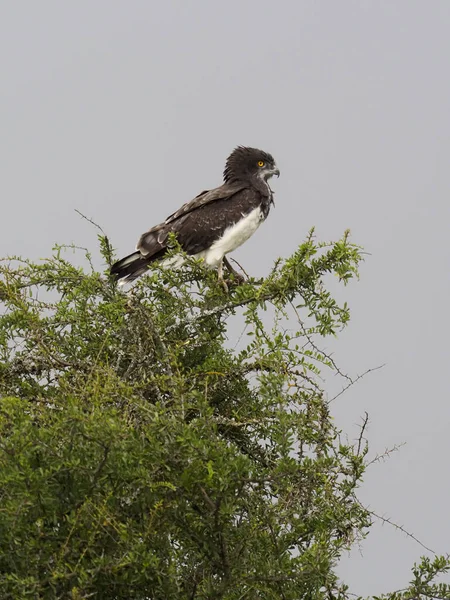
(140, 457)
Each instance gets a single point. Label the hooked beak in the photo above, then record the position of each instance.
(268, 174)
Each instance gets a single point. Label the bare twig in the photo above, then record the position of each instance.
(361, 433)
(353, 381)
(241, 267)
(90, 221)
(400, 528)
(386, 453)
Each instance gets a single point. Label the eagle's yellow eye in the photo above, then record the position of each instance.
(260, 163)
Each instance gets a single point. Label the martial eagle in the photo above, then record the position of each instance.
(215, 222)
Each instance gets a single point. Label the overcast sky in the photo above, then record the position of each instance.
(126, 109)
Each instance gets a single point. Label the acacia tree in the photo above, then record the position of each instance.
(141, 457)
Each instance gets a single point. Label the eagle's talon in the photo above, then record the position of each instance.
(220, 278)
(224, 284)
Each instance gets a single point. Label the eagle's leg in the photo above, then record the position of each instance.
(220, 276)
(239, 278)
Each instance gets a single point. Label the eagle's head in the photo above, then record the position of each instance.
(247, 163)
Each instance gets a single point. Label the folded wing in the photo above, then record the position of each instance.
(155, 239)
(187, 225)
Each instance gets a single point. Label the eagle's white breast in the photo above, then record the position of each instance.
(233, 237)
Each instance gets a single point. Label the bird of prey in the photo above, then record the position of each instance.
(215, 222)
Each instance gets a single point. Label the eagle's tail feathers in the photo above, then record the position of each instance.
(130, 268)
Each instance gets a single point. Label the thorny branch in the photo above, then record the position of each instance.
(361, 433)
(398, 527)
(91, 221)
(386, 453)
(353, 381)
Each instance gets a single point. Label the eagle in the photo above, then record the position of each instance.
(214, 223)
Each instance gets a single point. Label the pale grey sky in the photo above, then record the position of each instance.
(126, 109)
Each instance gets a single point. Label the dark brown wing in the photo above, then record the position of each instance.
(155, 240)
(224, 191)
(198, 231)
